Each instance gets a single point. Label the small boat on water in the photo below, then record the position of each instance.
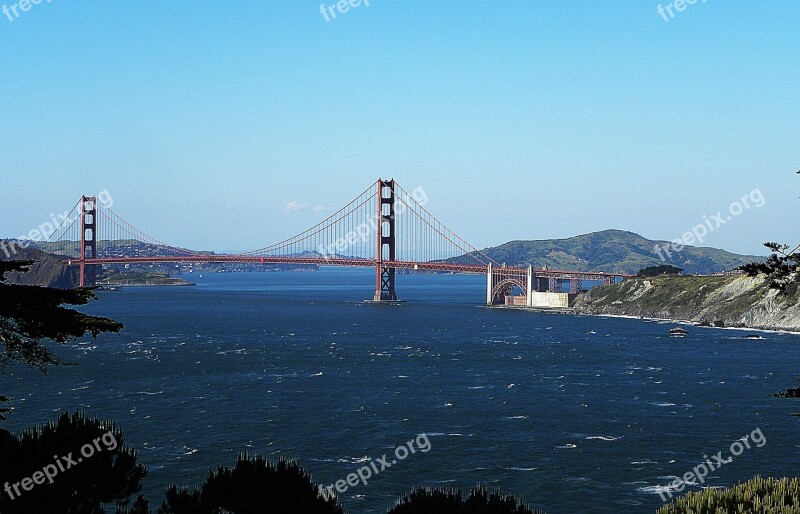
(678, 332)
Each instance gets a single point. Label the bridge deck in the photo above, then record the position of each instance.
(367, 263)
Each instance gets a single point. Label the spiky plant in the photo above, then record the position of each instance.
(761, 495)
(451, 501)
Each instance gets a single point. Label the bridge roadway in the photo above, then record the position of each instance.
(366, 263)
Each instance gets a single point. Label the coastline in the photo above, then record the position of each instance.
(184, 283)
(571, 311)
(727, 302)
(665, 321)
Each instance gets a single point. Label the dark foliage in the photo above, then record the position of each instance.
(31, 316)
(140, 506)
(780, 267)
(109, 476)
(253, 486)
(655, 271)
(789, 393)
(450, 501)
(4, 410)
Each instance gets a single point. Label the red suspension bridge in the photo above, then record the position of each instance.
(385, 227)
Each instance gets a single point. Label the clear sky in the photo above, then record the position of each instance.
(520, 119)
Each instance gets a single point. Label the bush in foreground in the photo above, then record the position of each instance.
(254, 485)
(762, 495)
(450, 501)
(73, 466)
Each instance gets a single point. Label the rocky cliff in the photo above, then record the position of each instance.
(48, 270)
(732, 301)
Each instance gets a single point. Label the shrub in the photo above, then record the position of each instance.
(655, 271)
(762, 495)
(450, 501)
(254, 485)
(110, 475)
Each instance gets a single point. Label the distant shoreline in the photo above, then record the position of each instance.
(173, 284)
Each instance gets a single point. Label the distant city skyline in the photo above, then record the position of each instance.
(228, 128)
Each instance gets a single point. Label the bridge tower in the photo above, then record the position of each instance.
(385, 275)
(88, 244)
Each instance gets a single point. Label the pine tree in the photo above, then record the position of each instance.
(31, 317)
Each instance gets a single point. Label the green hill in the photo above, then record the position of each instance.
(615, 251)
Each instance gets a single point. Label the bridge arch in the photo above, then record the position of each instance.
(505, 287)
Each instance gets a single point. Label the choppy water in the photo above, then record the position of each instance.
(578, 414)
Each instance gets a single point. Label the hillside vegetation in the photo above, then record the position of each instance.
(613, 251)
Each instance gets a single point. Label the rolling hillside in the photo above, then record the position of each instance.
(612, 251)
(47, 270)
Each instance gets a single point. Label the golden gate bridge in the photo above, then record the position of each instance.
(385, 228)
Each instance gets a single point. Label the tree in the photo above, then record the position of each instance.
(31, 316)
(655, 271)
(253, 486)
(780, 268)
(450, 501)
(77, 465)
(140, 506)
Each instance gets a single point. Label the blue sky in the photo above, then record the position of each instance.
(520, 119)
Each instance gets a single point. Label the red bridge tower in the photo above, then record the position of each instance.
(385, 275)
(88, 239)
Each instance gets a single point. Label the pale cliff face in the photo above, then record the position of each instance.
(738, 301)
